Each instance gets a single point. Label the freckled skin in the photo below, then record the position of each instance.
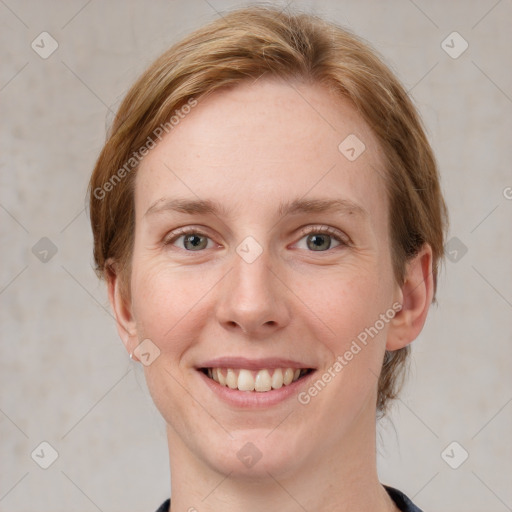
(250, 148)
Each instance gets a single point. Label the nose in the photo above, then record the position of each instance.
(253, 298)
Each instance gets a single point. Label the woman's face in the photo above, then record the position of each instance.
(257, 175)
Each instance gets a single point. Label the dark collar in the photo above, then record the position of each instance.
(400, 499)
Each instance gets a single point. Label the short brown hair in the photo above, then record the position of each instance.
(245, 44)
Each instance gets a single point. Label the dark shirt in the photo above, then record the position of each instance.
(400, 499)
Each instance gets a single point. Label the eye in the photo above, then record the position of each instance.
(193, 240)
(320, 238)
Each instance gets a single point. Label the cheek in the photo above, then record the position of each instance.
(346, 303)
(167, 303)
(170, 309)
(171, 304)
(349, 306)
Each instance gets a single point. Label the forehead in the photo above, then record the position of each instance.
(264, 143)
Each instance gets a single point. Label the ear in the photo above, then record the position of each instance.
(415, 295)
(122, 308)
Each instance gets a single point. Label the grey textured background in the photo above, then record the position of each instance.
(65, 377)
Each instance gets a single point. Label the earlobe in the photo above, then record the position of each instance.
(122, 309)
(416, 295)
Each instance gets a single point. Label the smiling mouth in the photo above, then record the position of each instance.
(255, 380)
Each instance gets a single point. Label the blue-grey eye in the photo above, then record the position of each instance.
(319, 242)
(194, 242)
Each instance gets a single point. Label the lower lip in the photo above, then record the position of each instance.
(255, 399)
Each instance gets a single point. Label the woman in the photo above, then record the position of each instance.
(268, 217)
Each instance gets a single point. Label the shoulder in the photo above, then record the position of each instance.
(164, 507)
(401, 500)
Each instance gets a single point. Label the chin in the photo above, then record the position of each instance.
(254, 454)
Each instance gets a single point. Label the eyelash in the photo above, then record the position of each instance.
(319, 230)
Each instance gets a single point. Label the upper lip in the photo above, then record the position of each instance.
(252, 364)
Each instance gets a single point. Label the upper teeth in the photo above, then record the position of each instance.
(247, 380)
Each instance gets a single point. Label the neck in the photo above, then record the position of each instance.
(338, 478)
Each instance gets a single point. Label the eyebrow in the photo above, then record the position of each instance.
(295, 207)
